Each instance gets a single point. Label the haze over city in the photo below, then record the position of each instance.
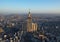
(36, 6)
(29, 20)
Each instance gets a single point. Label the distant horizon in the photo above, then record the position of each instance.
(31, 13)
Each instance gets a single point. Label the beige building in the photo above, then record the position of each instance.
(34, 26)
(1, 30)
(31, 27)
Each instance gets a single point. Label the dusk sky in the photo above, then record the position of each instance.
(36, 6)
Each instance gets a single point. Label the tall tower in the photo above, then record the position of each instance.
(29, 22)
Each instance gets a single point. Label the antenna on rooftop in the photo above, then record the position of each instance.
(29, 11)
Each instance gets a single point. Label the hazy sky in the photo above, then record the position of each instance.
(36, 6)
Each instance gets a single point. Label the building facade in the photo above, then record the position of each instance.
(31, 27)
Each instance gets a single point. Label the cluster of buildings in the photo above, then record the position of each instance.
(5, 37)
(24, 31)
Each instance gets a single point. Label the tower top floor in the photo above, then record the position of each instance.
(29, 15)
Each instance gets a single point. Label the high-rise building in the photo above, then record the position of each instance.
(31, 27)
(34, 26)
(29, 23)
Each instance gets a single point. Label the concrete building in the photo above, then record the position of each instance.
(31, 27)
(34, 26)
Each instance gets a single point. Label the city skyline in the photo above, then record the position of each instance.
(36, 6)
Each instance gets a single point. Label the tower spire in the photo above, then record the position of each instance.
(29, 14)
(29, 11)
